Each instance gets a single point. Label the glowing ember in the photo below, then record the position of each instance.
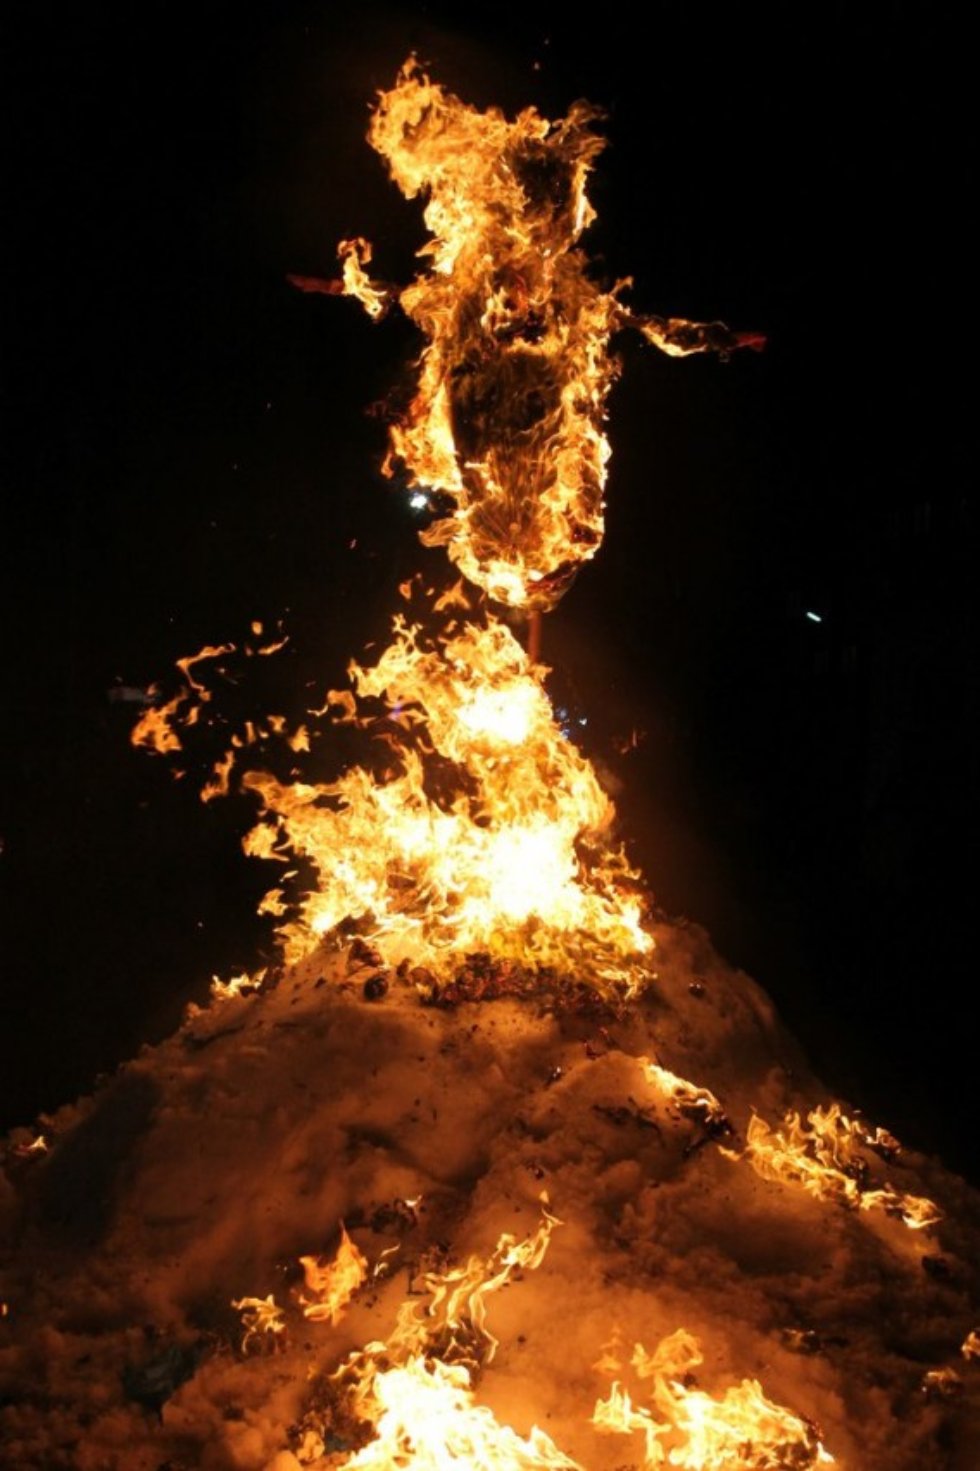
(740, 1431)
(37, 1146)
(823, 1157)
(507, 417)
(332, 1282)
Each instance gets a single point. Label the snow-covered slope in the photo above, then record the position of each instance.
(207, 1166)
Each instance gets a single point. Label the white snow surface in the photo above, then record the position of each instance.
(206, 1166)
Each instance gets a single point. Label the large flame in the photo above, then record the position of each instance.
(507, 417)
(481, 829)
(474, 831)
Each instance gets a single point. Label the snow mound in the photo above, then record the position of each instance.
(209, 1165)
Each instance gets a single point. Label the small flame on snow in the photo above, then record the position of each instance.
(696, 1102)
(741, 1430)
(822, 1156)
(944, 1383)
(425, 1417)
(240, 985)
(36, 1146)
(263, 1321)
(332, 1281)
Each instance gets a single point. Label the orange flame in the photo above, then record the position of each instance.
(157, 727)
(37, 1146)
(507, 418)
(240, 985)
(823, 1157)
(696, 1103)
(262, 1320)
(415, 1389)
(740, 1431)
(425, 1417)
(333, 1282)
(486, 829)
(355, 255)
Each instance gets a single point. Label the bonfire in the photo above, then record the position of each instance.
(493, 1166)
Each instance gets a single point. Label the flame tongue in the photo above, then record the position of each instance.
(486, 829)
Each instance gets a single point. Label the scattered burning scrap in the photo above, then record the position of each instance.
(826, 1157)
(475, 827)
(468, 855)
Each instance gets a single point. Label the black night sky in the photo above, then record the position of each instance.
(190, 450)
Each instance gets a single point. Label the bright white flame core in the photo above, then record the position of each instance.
(486, 831)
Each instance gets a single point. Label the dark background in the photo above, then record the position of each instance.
(190, 450)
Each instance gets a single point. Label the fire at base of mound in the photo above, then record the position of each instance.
(329, 1225)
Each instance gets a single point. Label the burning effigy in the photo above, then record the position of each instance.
(493, 1166)
(505, 428)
